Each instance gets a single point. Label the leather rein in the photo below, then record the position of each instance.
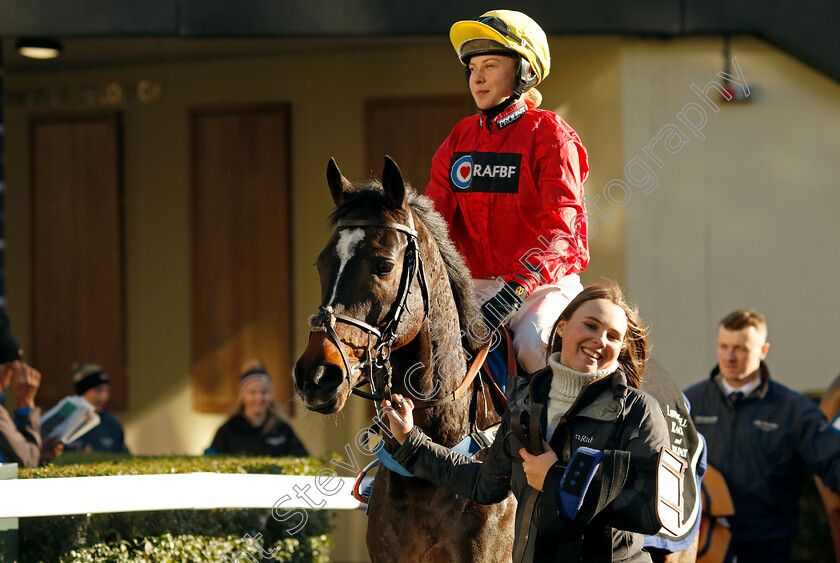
(377, 360)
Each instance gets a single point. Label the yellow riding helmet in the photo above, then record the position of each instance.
(505, 30)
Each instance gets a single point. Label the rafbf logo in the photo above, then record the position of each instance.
(489, 172)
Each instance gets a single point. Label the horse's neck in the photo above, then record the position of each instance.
(428, 370)
(436, 360)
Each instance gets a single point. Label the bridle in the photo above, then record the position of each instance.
(377, 356)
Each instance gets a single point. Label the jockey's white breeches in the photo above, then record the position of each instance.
(531, 325)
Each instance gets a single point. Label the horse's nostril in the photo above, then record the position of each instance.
(327, 377)
(298, 375)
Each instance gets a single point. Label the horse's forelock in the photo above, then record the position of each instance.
(369, 197)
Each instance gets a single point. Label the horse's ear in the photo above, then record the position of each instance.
(339, 185)
(392, 183)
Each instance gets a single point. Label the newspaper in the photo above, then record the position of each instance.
(69, 420)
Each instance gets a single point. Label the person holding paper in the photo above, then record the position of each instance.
(92, 383)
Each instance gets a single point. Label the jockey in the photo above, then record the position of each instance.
(509, 181)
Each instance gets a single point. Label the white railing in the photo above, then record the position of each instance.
(130, 493)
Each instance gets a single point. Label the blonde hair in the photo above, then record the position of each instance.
(533, 98)
(275, 412)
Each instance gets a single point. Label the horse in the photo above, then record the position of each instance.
(398, 313)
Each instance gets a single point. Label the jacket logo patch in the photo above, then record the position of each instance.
(275, 440)
(511, 117)
(765, 425)
(584, 439)
(487, 172)
(705, 419)
(461, 172)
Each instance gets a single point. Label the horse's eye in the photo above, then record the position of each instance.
(384, 267)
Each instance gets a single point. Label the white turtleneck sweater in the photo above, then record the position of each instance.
(566, 385)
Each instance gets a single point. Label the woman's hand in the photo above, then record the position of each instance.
(536, 466)
(398, 410)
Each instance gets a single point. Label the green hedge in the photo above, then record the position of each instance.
(171, 535)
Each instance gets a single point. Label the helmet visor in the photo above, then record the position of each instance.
(474, 47)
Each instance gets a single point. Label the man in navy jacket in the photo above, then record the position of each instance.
(763, 438)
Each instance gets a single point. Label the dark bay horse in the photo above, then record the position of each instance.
(398, 312)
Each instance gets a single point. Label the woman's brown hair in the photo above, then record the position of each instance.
(634, 349)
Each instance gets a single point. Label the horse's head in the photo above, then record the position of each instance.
(373, 294)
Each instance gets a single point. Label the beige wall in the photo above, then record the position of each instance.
(746, 218)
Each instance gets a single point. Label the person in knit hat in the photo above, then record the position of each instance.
(92, 383)
(20, 439)
(257, 426)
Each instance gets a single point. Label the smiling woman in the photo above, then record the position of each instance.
(257, 427)
(594, 486)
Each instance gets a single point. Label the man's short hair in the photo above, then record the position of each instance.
(743, 318)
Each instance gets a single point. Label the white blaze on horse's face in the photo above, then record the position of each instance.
(348, 240)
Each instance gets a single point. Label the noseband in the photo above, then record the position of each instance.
(378, 357)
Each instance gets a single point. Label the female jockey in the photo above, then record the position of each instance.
(509, 181)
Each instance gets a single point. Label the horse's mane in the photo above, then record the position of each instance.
(460, 279)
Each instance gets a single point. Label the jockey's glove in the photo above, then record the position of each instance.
(500, 308)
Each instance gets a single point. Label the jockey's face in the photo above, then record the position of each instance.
(740, 353)
(593, 336)
(491, 79)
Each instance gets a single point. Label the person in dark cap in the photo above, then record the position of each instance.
(257, 427)
(20, 439)
(92, 383)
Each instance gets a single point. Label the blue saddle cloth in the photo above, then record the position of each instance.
(496, 363)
